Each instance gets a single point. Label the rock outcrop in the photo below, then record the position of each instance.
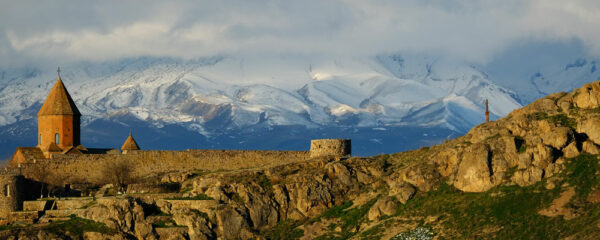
(525, 147)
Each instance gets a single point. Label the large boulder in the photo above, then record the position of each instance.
(446, 161)
(423, 176)
(558, 137)
(591, 127)
(588, 96)
(474, 170)
(384, 206)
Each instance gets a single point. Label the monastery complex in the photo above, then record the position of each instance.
(59, 158)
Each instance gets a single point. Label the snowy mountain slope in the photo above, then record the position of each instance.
(175, 91)
(217, 97)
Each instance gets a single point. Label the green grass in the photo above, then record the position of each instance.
(285, 230)
(77, 226)
(348, 219)
(265, 182)
(186, 190)
(581, 173)
(559, 119)
(337, 211)
(10, 227)
(511, 210)
(372, 233)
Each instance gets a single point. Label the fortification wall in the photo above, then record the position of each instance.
(88, 168)
(9, 200)
(330, 147)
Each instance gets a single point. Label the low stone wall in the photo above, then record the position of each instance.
(88, 168)
(76, 203)
(36, 205)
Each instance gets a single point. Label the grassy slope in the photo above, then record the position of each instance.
(504, 212)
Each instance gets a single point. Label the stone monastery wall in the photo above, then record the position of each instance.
(88, 168)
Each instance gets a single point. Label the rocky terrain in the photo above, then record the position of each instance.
(532, 174)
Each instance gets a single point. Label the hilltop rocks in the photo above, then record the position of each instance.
(474, 170)
(588, 96)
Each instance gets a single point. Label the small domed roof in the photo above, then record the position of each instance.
(59, 102)
(130, 144)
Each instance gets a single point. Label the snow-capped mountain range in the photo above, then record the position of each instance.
(393, 101)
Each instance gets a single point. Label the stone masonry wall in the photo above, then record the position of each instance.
(88, 168)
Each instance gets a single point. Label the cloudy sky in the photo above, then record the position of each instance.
(471, 30)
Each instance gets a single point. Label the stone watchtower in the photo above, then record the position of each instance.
(58, 121)
(10, 199)
(330, 147)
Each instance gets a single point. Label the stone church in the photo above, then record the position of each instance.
(59, 129)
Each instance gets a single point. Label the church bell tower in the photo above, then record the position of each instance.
(58, 120)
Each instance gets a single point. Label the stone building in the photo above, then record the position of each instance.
(59, 130)
(59, 121)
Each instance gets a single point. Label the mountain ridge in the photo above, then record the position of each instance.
(204, 97)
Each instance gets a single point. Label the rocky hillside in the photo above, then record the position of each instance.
(533, 174)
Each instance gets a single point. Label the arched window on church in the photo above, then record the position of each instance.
(7, 190)
(56, 139)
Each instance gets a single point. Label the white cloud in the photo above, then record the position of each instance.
(470, 30)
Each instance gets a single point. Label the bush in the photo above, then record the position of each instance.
(118, 173)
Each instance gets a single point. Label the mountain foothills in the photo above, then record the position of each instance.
(386, 103)
(532, 174)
